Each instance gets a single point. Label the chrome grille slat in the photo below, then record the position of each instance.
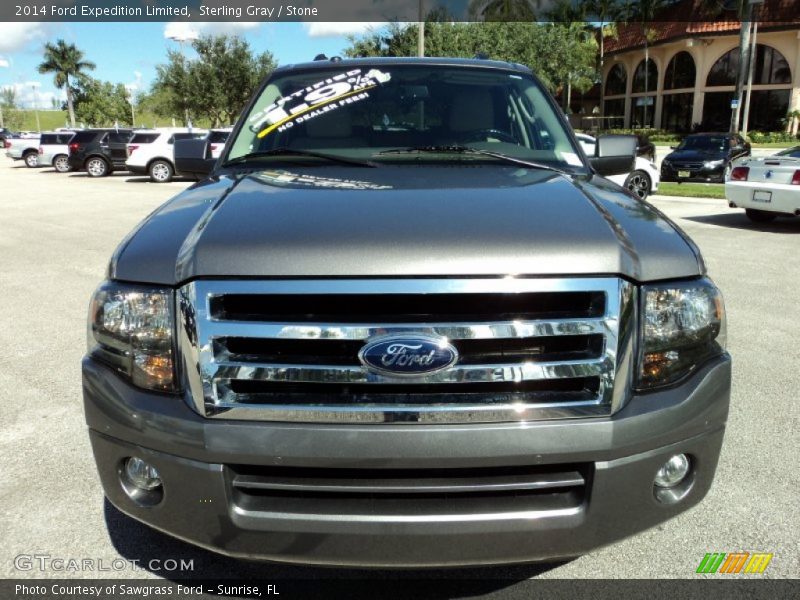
(210, 373)
(456, 374)
(455, 331)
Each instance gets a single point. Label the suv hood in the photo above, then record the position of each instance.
(444, 220)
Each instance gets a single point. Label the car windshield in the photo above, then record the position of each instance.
(793, 152)
(361, 112)
(704, 142)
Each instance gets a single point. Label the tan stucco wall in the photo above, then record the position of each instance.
(705, 52)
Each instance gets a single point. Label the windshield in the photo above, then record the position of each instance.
(361, 112)
(704, 142)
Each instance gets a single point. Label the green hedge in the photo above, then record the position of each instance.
(662, 136)
(654, 135)
(771, 137)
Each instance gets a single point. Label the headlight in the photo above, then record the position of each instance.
(683, 325)
(713, 164)
(131, 330)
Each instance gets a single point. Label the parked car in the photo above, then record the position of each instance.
(703, 157)
(99, 151)
(766, 187)
(25, 149)
(217, 139)
(209, 149)
(399, 325)
(641, 182)
(645, 148)
(152, 152)
(54, 150)
(5, 134)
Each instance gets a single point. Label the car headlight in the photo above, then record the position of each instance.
(131, 330)
(683, 325)
(713, 164)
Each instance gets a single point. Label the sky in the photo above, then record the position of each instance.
(129, 52)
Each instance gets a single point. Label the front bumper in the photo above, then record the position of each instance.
(702, 175)
(194, 456)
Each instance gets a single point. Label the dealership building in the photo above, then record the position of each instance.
(690, 76)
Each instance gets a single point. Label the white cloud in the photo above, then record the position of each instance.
(4, 63)
(30, 95)
(16, 36)
(184, 30)
(319, 30)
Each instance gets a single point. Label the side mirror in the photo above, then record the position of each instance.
(193, 157)
(614, 154)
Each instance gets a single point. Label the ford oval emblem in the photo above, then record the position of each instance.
(408, 355)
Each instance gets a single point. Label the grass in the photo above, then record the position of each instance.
(691, 190)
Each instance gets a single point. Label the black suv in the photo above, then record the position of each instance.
(704, 157)
(99, 151)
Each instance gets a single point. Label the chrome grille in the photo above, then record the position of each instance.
(287, 350)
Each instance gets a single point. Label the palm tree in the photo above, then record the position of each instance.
(65, 61)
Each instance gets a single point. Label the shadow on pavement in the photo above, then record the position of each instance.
(150, 548)
(740, 221)
(146, 179)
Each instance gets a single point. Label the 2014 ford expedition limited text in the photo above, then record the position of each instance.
(404, 321)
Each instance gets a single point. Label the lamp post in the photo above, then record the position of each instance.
(34, 85)
(752, 67)
(189, 35)
(421, 32)
(131, 89)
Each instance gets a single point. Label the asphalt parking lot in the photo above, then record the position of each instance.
(57, 233)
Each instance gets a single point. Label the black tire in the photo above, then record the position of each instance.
(97, 167)
(161, 171)
(759, 216)
(639, 184)
(61, 163)
(31, 159)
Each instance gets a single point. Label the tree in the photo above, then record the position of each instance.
(557, 52)
(8, 98)
(102, 103)
(216, 85)
(66, 62)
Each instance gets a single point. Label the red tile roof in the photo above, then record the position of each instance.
(681, 21)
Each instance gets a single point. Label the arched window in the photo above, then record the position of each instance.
(680, 72)
(650, 74)
(616, 81)
(771, 67)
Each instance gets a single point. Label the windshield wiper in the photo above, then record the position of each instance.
(456, 149)
(296, 152)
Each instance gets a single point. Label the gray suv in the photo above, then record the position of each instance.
(406, 322)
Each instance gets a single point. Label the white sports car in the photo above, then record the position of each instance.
(644, 178)
(766, 187)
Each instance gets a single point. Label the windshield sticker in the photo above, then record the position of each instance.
(316, 99)
(571, 159)
(287, 178)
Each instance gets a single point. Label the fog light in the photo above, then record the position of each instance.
(673, 471)
(141, 474)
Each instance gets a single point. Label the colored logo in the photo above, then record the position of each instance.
(411, 355)
(734, 563)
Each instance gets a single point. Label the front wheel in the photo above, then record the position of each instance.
(31, 159)
(759, 216)
(61, 163)
(161, 171)
(96, 167)
(639, 184)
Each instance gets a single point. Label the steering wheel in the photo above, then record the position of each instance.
(482, 134)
